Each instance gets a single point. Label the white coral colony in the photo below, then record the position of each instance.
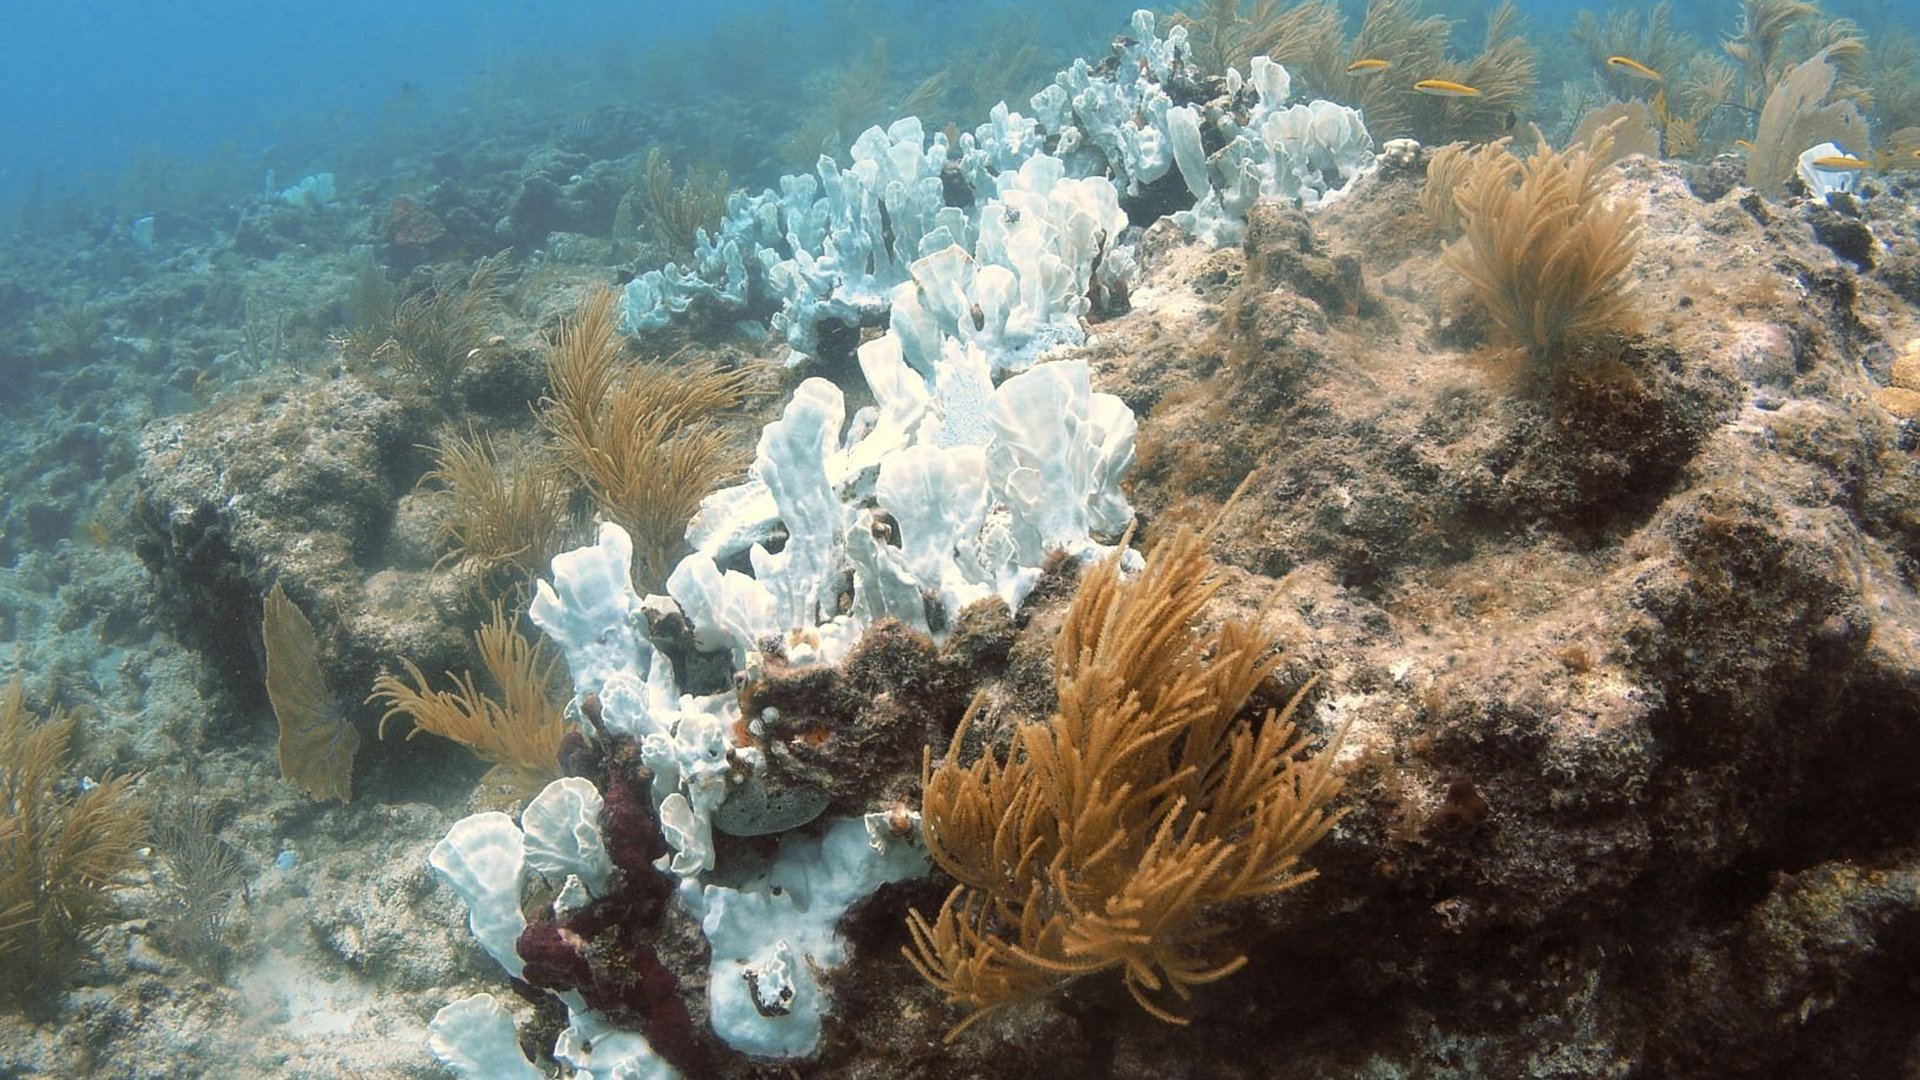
(840, 244)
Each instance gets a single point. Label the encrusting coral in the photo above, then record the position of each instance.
(1109, 835)
(1547, 246)
(519, 733)
(61, 855)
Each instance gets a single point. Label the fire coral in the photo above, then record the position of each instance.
(1112, 831)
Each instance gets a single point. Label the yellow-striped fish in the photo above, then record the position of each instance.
(1743, 144)
(1368, 67)
(1444, 88)
(1840, 163)
(1633, 67)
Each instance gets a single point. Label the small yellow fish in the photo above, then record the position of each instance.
(1633, 67)
(1443, 88)
(1368, 67)
(1840, 163)
(1743, 144)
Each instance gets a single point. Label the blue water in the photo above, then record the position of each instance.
(237, 88)
(95, 85)
(90, 82)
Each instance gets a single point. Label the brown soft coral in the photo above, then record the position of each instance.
(519, 733)
(1110, 834)
(61, 855)
(1547, 246)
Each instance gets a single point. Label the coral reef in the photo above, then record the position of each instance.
(828, 251)
(1626, 670)
(303, 486)
(1569, 715)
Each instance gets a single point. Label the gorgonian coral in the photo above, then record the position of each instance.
(1547, 244)
(62, 851)
(1110, 834)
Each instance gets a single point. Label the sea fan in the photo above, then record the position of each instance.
(317, 743)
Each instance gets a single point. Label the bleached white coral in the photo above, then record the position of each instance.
(1043, 475)
(562, 834)
(1115, 121)
(1058, 452)
(485, 857)
(596, 1049)
(774, 934)
(591, 611)
(1310, 154)
(475, 1037)
(482, 858)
